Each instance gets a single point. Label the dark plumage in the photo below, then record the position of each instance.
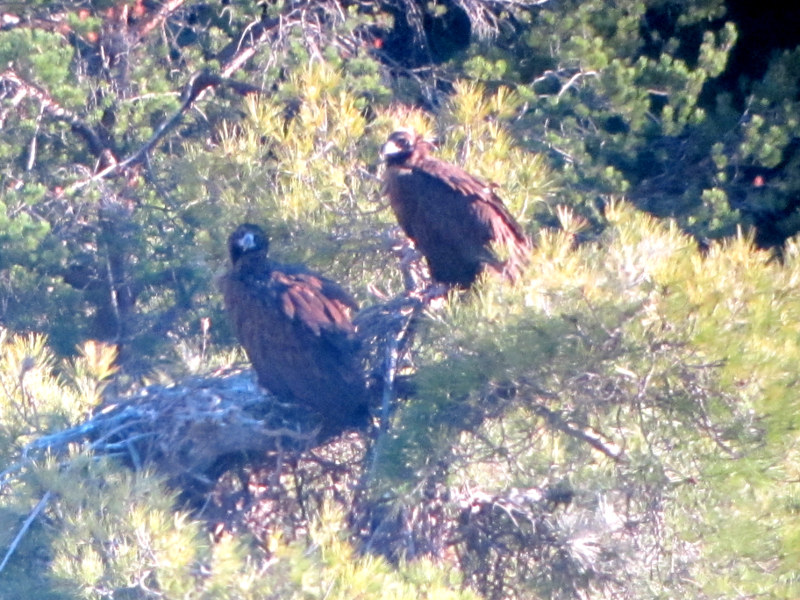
(453, 217)
(295, 326)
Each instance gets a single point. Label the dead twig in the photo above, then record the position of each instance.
(25, 526)
(586, 434)
(157, 17)
(193, 91)
(51, 108)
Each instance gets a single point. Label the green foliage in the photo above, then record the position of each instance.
(119, 531)
(331, 569)
(634, 347)
(620, 423)
(624, 119)
(35, 399)
(634, 364)
(111, 532)
(42, 56)
(623, 97)
(617, 98)
(125, 258)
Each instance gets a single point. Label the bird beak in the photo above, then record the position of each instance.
(390, 149)
(246, 242)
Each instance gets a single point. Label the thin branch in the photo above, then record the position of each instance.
(7, 474)
(192, 92)
(32, 151)
(25, 526)
(574, 79)
(157, 18)
(238, 52)
(232, 59)
(394, 348)
(585, 434)
(54, 110)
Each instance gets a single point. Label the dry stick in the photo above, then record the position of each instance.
(34, 513)
(593, 438)
(53, 109)
(192, 92)
(158, 18)
(393, 348)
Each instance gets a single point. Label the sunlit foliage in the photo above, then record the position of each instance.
(620, 423)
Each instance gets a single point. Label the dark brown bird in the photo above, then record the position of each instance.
(296, 328)
(456, 220)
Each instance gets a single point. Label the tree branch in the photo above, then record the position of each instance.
(164, 11)
(585, 434)
(192, 91)
(53, 109)
(232, 58)
(239, 51)
(21, 533)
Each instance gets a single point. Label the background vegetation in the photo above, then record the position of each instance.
(623, 423)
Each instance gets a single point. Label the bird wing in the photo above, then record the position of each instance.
(456, 210)
(318, 303)
(455, 219)
(482, 201)
(295, 327)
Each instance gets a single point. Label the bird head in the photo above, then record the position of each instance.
(403, 143)
(399, 144)
(247, 239)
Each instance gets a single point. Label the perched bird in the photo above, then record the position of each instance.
(456, 220)
(296, 328)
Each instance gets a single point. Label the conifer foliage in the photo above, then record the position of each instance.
(619, 422)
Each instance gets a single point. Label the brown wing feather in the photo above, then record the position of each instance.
(454, 218)
(486, 204)
(295, 327)
(307, 298)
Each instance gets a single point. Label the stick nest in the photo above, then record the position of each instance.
(192, 431)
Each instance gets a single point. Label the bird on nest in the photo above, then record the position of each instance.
(455, 219)
(295, 326)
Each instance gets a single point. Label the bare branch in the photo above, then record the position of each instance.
(573, 80)
(53, 109)
(193, 91)
(21, 533)
(239, 51)
(586, 434)
(158, 17)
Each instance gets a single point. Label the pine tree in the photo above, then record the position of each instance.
(619, 423)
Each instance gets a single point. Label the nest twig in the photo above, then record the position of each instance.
(191, 431)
